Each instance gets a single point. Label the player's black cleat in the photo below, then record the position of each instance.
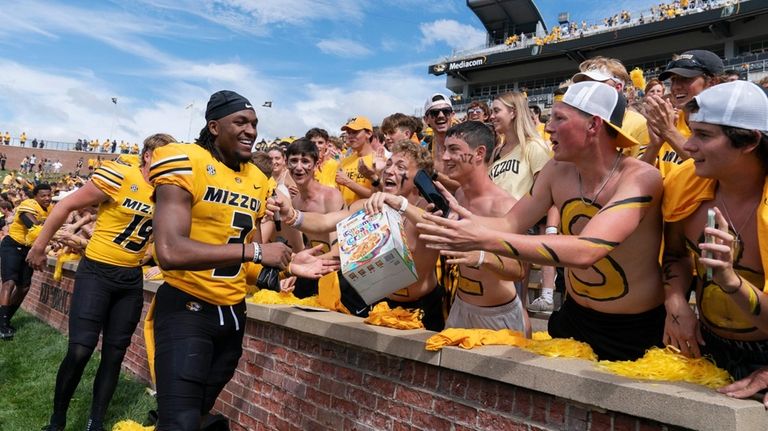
(7, 333)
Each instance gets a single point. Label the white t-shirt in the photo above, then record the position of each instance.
(514, 172)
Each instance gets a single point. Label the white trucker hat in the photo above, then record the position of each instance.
(596, 98)
(600, 74)
(436, 101)
(739, 104)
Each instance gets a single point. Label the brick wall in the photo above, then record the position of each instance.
(68, 158)
(289, 380)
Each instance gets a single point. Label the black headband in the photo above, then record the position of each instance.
(225, 102)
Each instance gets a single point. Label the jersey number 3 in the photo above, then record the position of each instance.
(244, 223)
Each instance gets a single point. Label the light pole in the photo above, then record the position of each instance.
(114, 118)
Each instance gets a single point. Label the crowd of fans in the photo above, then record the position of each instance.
(592, 221)
(576, 29)
(87, 145)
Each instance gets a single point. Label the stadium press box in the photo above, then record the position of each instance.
(374, 254)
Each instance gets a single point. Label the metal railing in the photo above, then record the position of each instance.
(15, 141)
(592, 28)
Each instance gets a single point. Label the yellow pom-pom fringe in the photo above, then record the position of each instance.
(562, 348)
(658, 364)
(270, 297)
(129, 425)
(668, 364)
(542, 343)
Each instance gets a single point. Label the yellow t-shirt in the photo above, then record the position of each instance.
(540, 128)
(124, 223)
(17, 230)
(637, 127)
(514, 172)
(668, 159)
(325, 174)
(226, 207)
(349, 166)
(135, 149)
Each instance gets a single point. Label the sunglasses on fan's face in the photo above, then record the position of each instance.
(434, 113)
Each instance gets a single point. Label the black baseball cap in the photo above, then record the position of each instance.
(694, 63)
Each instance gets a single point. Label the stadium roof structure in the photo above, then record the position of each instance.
(703, 30)
(735, 31)
(507, 16)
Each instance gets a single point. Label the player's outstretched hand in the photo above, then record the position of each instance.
(309, 264)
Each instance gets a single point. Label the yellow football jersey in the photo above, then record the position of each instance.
(17, 230)
(226, 207)
(124, 223)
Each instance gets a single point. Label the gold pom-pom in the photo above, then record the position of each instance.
(129, 425)
(638, 80)
(562, 348)
(286, 298)
(668, 364)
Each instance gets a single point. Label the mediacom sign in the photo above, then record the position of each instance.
(439, 69)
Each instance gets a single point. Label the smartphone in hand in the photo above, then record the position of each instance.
(710, 239)
(427, 189)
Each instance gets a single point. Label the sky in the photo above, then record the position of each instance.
(319, 62)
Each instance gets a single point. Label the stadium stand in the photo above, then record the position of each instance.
(735, 30)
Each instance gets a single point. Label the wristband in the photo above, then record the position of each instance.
(480, 260)
(403, 205)
(551, 230)
(731, 292)
(299, 219)
(256, 252)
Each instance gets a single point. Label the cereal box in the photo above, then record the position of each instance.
(374, 254)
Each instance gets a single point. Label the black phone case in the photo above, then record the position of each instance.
(427, 189)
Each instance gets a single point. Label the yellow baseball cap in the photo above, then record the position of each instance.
(358, 123)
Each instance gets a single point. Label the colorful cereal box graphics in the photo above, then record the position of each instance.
(374, 254)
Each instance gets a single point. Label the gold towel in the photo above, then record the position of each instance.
(399, 318)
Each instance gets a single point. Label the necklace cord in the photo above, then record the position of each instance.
(727, 214)
(605, 182)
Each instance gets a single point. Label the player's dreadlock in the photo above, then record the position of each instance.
(207, 141)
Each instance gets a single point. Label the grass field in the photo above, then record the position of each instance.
(28, 367)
